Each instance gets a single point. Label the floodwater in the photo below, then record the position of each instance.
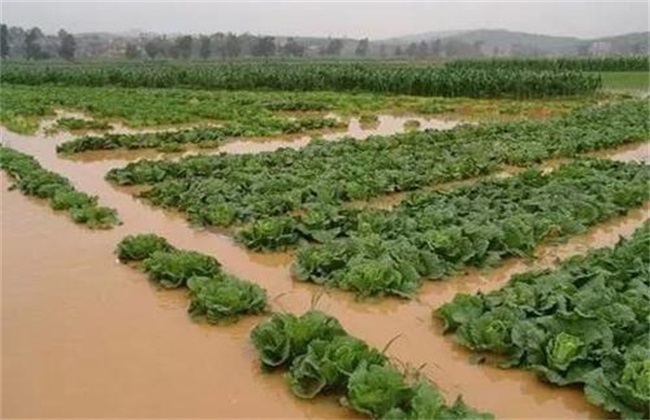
(85, 336)
(386, 125)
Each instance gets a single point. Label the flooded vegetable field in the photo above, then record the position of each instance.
(85, 336)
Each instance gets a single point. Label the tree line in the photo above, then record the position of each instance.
(33, 44)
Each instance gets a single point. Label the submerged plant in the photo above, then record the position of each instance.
(172, 269)
(224, 297)
(140, 247)
(34, 180)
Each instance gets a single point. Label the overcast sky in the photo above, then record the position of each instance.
(352, 19)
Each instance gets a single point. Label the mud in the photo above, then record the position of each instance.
(88, 337)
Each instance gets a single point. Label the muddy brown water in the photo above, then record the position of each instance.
(85, 336)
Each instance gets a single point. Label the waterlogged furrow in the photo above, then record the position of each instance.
(584, 323)
(34, 180)
(214, 295)
(434, 234)
(322, 357)
(227, 190)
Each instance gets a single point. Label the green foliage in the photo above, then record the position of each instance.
(284, 337)
(434, 234)
(323, 359)
(172, 269)
(94, 217)
(269, 234)
(140, 247)
(232, 189)
(211, 136)
(33, 180)
(605, 64)
(327, 365)
(374, 390)
(469, 81)
(214, 295)
(224, 297)
(79, 124)
(584, 323)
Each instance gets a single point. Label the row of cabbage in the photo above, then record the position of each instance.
(33, 180)
(175, 140)
(315, 76)
(432, 235)
(323, 359)
(583, 324)
(215, 296)
(228, 190)
(601, 64)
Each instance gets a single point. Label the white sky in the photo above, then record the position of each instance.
(310, 18)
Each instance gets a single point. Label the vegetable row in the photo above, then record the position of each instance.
(33, 180)
(315, 76)
(228, 190)
(583, 324)
(432, 235)
(202, 137)
(321, 358)
(214, 295)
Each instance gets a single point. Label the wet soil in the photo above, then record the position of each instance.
(85, 336)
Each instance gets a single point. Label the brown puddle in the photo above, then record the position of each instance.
(87, 336)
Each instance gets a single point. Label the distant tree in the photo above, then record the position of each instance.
(583, 49)
(182, 47)
(334, 47)
(382, 50)
(398, 51)
(263, 46)
(233, 46)
(435, 48)
(423, 49)
(204, 47)
(4, 41)
(131, 52)
(362, 47)
(154, 47)
(412, 49)
(293, 48)
(67, 46)
(32, 47)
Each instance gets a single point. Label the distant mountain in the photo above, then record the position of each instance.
(504, 42)
(426, 36)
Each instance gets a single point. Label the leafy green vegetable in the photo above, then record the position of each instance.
(214, 295)
(35, 181)
(224, 297)
(284, 337)
(140, 247)
(584, 323)
(327, 365)
(322, 358)
(374, 390)
(315, 180)
(172, 269)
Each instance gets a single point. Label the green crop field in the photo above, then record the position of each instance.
(281, 231)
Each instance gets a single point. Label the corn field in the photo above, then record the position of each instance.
(453, 81)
